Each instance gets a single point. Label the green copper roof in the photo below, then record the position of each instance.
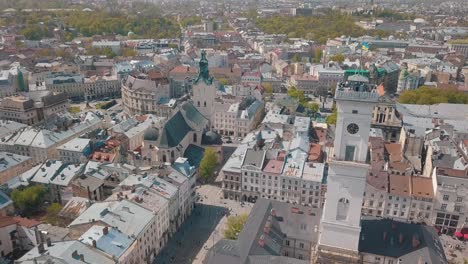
(174, 131)
(193, 114)
(194, 154)
(204, 73)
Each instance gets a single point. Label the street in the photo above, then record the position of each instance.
(202, 229)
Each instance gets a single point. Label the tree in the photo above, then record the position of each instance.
(427, 96)
(127, 52)
(52, 216)
(297, 94)
(320, 28)
(296, 58)
(234, 226)
(314, 107)
(208, 163)
(317, 55)
(268, 88)
(331, 119)
(223, 81)
(23, 87)
(338, 58)
(28, 200)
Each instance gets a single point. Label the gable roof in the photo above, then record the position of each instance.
(193, 115)
(174, 131)
(385, 237)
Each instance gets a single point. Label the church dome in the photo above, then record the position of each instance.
(151, 134)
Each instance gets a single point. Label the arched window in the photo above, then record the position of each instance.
(342, 209)
(194, 137)
(164, 158)
(204, 104)
(172, 154)
(198, 103)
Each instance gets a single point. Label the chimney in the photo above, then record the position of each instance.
(94, 243)
(261, 241)
(49, 242)
(401, 238)
(105, 230)
(40, 248)
(415, 242)
(385, 235)
(37, 232)
(82, 258)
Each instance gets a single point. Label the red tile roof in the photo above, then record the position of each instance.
(7, 221)
(16, 220)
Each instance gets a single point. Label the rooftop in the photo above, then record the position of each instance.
(394, 239)
(56, 172)
(9, 160)
(66, 252)
(127, 216)
(109, 240)
(400, 185)
(76, 144)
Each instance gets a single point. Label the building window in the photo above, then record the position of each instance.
(459, 199)
(443, 207)
(446, 197)
(342, 209)
(349, 153)
(301, 245)
(457, 208)
(287, 243)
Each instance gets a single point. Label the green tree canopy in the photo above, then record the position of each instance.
(234, 226)
(320, 28)
(223, 81)
(208, 163)
(331, 119)
(28, 200)
(313, 107)
(427, 95)
(268, 88)
(145, 24)
(338, 57)
(297, 94)
(52, 216)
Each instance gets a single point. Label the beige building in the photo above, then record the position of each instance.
(142, 95)
(12, 165)
(41, 144)
(31, 110)
(237, 118)
(96, 87)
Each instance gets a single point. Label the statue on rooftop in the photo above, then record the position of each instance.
(204, 73)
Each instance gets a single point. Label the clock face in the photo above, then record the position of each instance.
(353, 128)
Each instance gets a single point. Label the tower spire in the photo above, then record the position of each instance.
(204, 73)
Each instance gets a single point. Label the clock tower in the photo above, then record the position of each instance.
(340, 226)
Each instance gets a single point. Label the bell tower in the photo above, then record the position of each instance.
(204, 90)
(340, 226)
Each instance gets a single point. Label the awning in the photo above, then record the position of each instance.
(458, 234)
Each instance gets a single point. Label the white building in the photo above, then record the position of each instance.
(74, 151)
(347, 176)
(129, 217)
(41, 144)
